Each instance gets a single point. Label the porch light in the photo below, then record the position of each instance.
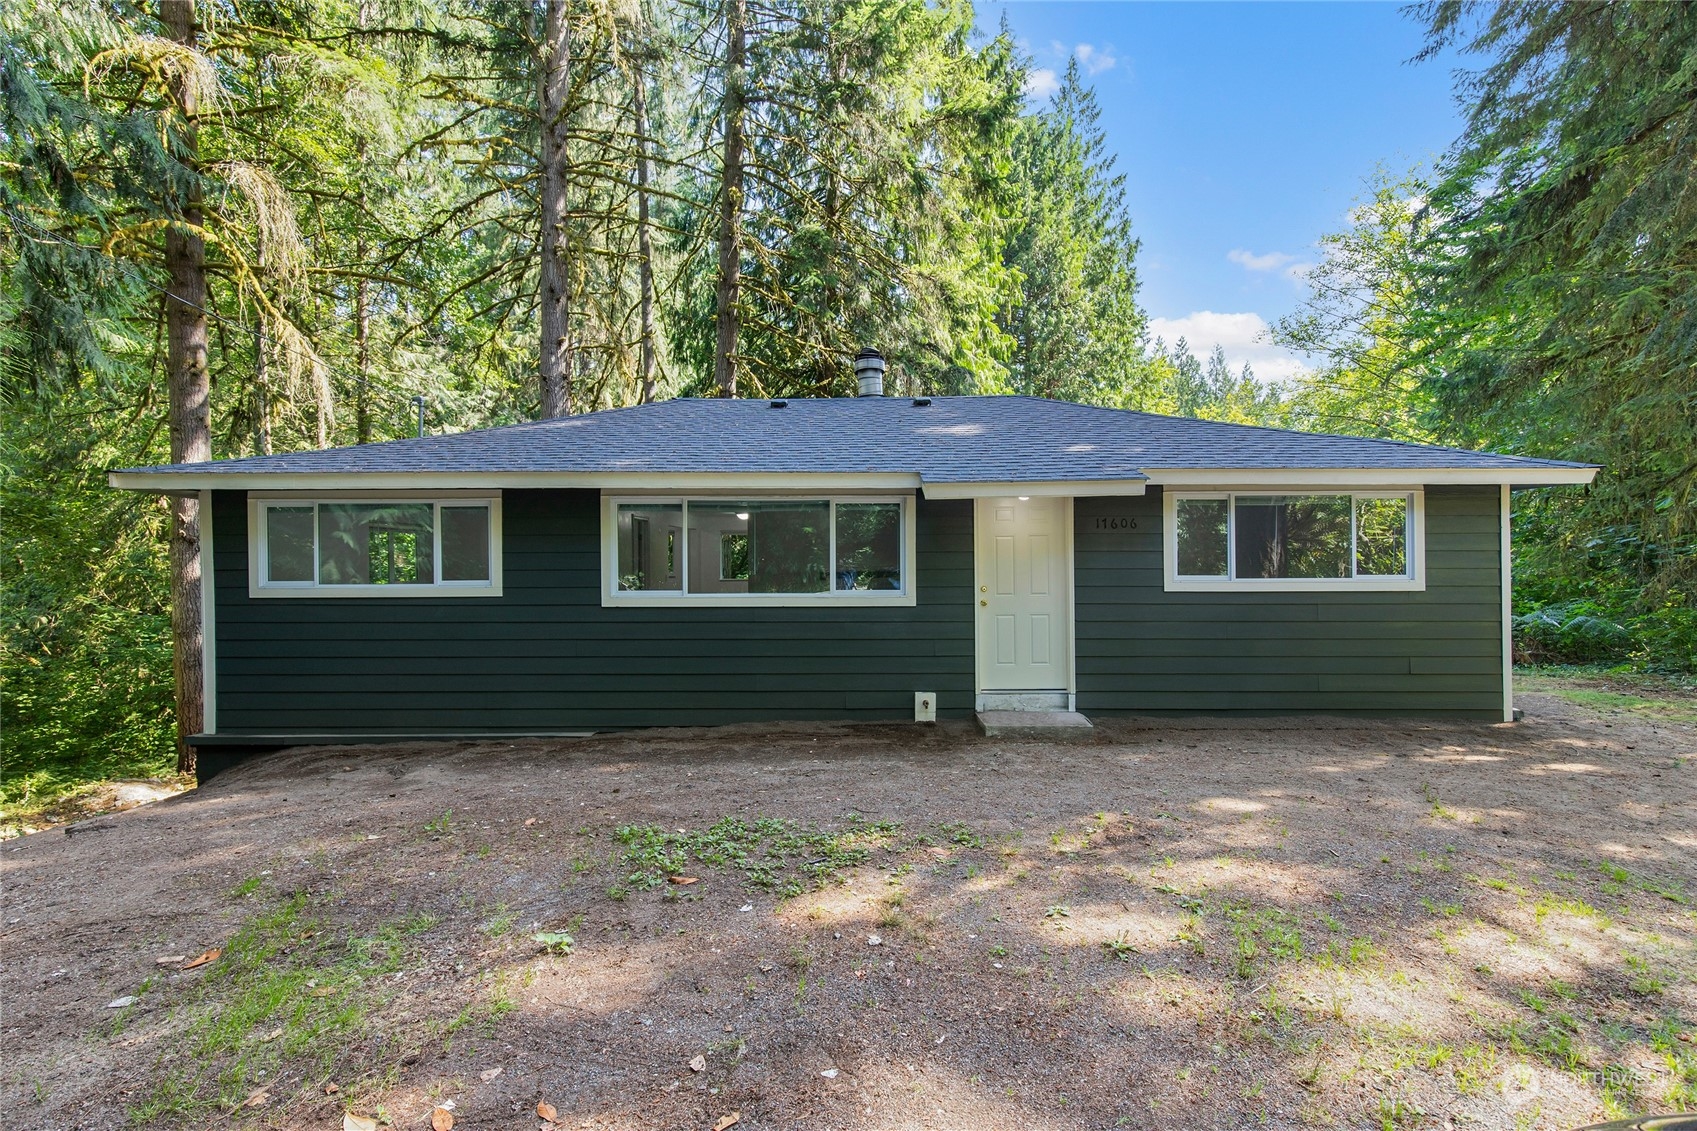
(1025, 498)
(742, 516)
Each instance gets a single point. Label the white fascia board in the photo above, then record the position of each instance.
(1069, 488)
(178, 482)
(1368, 478)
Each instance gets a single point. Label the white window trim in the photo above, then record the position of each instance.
(1414, 582)
(614, 597)
(258, 585)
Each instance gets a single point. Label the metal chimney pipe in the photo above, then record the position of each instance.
(869, 372)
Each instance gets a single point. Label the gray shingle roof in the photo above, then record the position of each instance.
(950, 440)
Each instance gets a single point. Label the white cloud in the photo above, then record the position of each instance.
(1243, 336)
(1095, 59)
(1092, 60)
(1283, 262)
(1249, 261)
(1041, 83)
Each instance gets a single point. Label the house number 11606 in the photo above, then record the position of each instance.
(1108, 523)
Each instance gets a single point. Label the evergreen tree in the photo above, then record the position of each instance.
(1075, 322)
(1557, 301)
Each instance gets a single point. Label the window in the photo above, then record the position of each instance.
(374, 547)
(757, 551)
(1294, 541)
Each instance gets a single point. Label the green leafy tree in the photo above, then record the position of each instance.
(1556, 307)
(1355, 323)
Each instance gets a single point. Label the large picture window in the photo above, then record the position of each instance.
(1293, 540)
(374, 547)
(758, 551)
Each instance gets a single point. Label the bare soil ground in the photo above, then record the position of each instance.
(1186, 924)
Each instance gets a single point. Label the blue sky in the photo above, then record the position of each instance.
(1245, 131)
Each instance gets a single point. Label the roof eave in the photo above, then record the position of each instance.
(1221, 478)
(190, 481)
(1001, 488)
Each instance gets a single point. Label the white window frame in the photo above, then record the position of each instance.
(614, 597)
(258, 545)
(1414, 581)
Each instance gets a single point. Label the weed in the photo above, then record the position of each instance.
(1190, 932)
(1476, 1068)
(958, 832)
(1120, 947)
(771, 853)
(500, 921)
(1645, 986)
(1394, 1112)
(1268, 933)
(442, 826)
(246, 887)
(1618, 879)
(1576, 907)
(555, 942)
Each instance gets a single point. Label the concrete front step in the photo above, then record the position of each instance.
(1035, 724)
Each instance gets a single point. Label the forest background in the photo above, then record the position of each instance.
(249, 226)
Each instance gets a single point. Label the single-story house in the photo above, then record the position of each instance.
(703, 561)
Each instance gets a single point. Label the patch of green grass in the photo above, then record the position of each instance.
(1618, 879)
(1476, 1068)
(1395, 1112)
(1603, 689)
(287, 990)
(772, 854)
(1267, 934)
(1345, 952)
(1575, 907)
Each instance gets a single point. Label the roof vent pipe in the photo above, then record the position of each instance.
(869, 372)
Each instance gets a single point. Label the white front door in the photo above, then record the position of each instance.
(1024, 584)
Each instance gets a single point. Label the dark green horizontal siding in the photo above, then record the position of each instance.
(1144, 650)
(546, 656)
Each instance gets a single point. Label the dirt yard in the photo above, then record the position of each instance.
(1353, 924)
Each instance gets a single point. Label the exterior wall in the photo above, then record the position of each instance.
(1146, 651)
(546, 657)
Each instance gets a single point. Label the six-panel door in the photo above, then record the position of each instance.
(1024, 626)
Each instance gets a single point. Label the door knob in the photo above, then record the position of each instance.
(983, 602)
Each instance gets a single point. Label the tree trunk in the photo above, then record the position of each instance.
(645, 245)
(553, 88)
(362, 354)
(189, 383)
(261, 365)
(728, 292)
(834, 347)
(261, 332)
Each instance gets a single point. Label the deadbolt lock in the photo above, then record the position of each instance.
(984, 589)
